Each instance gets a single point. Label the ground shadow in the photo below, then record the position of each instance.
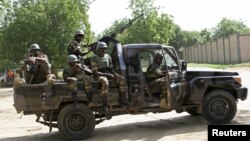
(146, 131)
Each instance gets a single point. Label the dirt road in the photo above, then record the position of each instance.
(144, 127)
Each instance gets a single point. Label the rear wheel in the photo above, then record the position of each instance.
(76, 123)
(219, 107)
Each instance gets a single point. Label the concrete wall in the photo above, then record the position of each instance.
(220, 46)
(200, 53)
(209, 52)
(245, 47)
(214, 52)
(233, 48)
(229, 50)
(204, 53)
(196, 54)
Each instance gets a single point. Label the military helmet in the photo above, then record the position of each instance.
(34, 46)
(79, 32)
(101, 45)
(72, 58)
(158, 55)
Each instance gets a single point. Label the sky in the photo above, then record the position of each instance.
(191, 15)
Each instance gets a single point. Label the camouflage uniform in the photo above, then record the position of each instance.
(104, 65)
(73, 46)
(81, 76)
(156, 80)
(73, 70)
(37, 70)
(36, 66)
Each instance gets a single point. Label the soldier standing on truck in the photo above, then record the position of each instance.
(103, 71)
(75, 46)
(156, 78)
(74, 69)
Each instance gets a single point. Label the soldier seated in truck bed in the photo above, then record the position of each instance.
(102, 67)
(74, 69)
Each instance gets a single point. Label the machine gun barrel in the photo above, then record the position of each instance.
(120, 30)
(92, 46)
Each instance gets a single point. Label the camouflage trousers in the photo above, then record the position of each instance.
(87, 81)
(159, 86)
(120, 80)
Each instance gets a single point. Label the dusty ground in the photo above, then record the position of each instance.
(144, 127)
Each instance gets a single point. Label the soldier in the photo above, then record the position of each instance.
(82, 74)
(102, 68)
(36, 66)
(156, 78)
(74, 47)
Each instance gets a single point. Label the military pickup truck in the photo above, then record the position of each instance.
(212, 94)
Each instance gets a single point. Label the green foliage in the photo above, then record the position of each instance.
(229, 26)
(213, 66)
(151, 28)
(49, 23)
(188, 38)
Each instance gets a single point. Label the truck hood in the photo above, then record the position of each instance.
(202, 73)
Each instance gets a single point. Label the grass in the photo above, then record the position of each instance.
(220, 66)
(60, 73)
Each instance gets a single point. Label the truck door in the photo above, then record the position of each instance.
(177, 86)
(135, 78)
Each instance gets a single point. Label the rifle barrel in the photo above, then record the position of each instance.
(125, 26)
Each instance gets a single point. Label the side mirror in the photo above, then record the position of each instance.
(183, 65)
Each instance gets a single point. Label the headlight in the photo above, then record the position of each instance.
(237, 79)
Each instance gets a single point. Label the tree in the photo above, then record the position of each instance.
(206, 35)
(188, 38)
(151, 28)
(229, 26)
(50, 23)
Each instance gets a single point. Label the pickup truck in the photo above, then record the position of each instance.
(212, 94)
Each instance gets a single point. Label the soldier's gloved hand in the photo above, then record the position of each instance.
(116, 75)
(110, 76)
(29, 61)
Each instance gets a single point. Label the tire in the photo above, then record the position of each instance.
(76, 123)
(219, 107)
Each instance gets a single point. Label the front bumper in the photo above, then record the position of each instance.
(241, 93)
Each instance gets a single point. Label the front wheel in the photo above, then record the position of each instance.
(219, 107)
(76, 123)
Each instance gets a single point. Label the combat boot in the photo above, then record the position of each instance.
(122, 99)
(89, 98)
(105, 109)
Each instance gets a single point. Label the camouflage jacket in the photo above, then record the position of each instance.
(36, 69)
(73, 46)
(98, 63)
(154, 71)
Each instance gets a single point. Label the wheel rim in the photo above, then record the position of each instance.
(219, 107)
(76, 122)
